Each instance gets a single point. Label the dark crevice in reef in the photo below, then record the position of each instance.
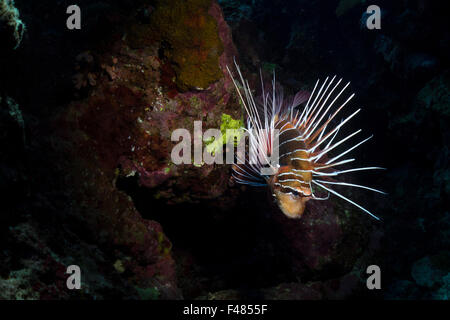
(239, 248)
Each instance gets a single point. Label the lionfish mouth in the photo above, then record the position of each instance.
(301, 139)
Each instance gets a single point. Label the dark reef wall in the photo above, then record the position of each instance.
(86, 176)
(400, 76)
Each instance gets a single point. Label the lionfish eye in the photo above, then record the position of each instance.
(295, 193)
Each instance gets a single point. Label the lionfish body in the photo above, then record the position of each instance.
(303, 138)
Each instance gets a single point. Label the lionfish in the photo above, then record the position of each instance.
(305, 136)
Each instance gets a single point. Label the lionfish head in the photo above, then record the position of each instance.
(291, 190)
(301, 140)
(292, 204)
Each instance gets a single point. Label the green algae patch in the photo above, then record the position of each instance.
(229, 123)
(193, 45)
(235, 133)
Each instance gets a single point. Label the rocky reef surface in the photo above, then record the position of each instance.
(87, 117)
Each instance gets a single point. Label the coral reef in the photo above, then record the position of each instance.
(142, 220)
(86, 176)
(11, 27)
(433, 272)
(122, 129)
(191, 41)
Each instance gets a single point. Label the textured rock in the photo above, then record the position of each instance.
(430, 271)
(123, 129)
(11, 27)
(193, 43)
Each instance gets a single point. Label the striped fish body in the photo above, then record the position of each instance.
(291, 185)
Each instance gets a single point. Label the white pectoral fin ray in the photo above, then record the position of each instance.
(351, 185)
(346, 199)
(347, 151)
